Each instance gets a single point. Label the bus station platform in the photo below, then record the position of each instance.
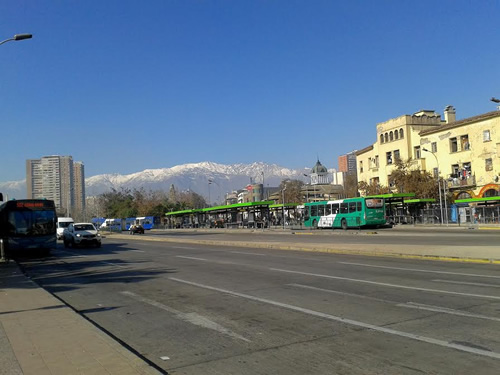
(41, 335)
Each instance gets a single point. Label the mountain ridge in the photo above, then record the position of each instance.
(209, 179)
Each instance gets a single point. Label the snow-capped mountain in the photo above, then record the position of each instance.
(13, 189)
(205, 178)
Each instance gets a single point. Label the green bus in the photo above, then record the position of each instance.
(345, 213)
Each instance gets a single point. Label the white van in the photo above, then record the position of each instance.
(62, 224)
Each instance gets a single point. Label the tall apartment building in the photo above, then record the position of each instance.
(57, 178)
(347, 163)
(79, 185)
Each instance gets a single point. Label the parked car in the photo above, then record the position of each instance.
(83, 234)
(136, 228)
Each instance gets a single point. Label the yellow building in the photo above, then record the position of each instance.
(466, 153)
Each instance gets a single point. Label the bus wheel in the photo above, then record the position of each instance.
(343, 224)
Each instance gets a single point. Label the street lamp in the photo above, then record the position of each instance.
(314, 187)
(283, 192)
(17, 37)
(439, 183)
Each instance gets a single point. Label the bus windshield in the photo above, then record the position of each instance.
(31, 223)
(374, 203)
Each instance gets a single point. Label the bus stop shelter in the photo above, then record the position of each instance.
(395, 206)
(484, 210)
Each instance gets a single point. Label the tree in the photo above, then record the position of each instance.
(372, 188)
(293, 191)
(350, 185)
(405, 179)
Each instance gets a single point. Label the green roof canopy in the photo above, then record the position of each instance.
(479, 200)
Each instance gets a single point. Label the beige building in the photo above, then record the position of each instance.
(466, 153)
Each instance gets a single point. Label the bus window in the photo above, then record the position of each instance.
(306, 213)
(374, 203)
(335, 208)
(314, 210)
(321, 210)
(352, 206)
(328, 209)
(358, 206)
(344, 208)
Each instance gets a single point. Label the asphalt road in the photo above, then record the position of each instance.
(196, 309)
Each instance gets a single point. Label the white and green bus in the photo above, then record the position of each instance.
(345, 213)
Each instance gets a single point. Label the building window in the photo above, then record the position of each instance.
(416, 152)
(381, 138)
(489, 164)
(467, 171)
(386, 137)
(376, 161)
(396, 155)
(453, 145)
(360, 166)
(396, 135)
(464, 142)
(486, 136)
(401, 134)
(389, 157)
(455, 171)
(434, 146)
(391, 136)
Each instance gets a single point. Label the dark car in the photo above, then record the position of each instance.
(136, 228)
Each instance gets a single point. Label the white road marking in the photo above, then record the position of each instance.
(419, 270)
(387, 284)
(356, 323)
(409, 305)
(180, 256)
(242, 252)
(418, 306)
(138, 251)
(192, 318)
(164, 358)
(466, 283)
(342, 293)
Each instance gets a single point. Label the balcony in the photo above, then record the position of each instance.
(456, 183)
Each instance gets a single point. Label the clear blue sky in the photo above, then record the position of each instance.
(128, 85)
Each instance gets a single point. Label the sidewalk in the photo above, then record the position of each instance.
(40, 335)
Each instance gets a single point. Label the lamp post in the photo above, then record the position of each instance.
(209, 183)
(439, 183)
(16, 38)
(283, 192)
(314, 187)
(263, 187)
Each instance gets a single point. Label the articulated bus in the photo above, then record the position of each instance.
(345, 213)
(27, 224)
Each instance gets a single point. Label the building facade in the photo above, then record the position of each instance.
(465, 153)
(59, 179)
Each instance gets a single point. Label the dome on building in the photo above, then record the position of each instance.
(319, 168)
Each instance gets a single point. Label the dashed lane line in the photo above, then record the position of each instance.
(429, 340)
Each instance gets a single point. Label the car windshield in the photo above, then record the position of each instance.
(84, 227)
